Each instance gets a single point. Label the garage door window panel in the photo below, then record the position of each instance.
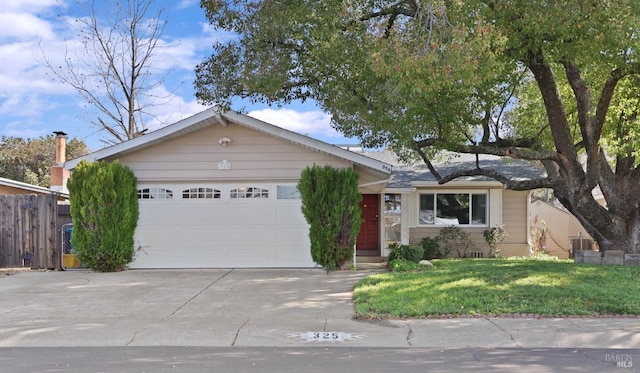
(155, 193)
(201, 193)
(288, 192)
(249, 192)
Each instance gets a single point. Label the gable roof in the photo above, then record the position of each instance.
(30, 187)
(417, 174)
(212, 117)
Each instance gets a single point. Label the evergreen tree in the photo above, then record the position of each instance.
(330, 203)
(104, 208)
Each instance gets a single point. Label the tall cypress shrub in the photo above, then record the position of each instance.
(104, 209)
(330, 204)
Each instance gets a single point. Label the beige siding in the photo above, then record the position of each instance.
(252, 155)
(514, 218)
(560, 226)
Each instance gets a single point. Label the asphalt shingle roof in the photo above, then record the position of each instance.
(404, 174)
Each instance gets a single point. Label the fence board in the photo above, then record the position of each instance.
(28, 227)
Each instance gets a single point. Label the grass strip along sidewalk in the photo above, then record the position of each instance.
(501, 287)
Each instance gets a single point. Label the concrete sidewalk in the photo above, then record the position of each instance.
(254, 308)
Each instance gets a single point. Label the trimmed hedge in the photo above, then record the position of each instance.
(104, 209)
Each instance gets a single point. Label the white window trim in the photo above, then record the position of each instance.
(488, 211)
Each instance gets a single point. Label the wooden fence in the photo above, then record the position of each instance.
(29, 231)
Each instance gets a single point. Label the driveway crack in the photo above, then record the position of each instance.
(200, 292)
(135, 333)
(410, 335)
(505, 331)
(238, 331)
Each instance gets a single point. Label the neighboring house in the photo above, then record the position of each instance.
(416, 206)
(9, 187)
(219, 190)
(559, 232)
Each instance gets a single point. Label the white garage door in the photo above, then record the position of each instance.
(221, 226)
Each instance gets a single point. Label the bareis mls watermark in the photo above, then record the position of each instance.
(620, 360)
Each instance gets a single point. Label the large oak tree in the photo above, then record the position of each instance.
(555, 82)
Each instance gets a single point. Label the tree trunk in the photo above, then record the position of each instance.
(616, 227)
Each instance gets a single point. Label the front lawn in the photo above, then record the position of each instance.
(473, 287)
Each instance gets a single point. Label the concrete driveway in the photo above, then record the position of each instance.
(221, 308)
(165, 307)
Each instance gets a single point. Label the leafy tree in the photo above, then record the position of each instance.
(112, 71)
(555, 82)
(330, 203)
(104, 208)
(30, 160)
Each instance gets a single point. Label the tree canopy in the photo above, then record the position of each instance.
(555, 82)
(30, 160)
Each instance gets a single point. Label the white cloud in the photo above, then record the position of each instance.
(187, 3)
(314, 123)
(171, 108)
(23, 26)
(30, 5)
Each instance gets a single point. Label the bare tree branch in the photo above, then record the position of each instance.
(113, 71)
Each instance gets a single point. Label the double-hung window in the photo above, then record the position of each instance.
(453, 208)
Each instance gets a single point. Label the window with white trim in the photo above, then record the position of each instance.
(155, 193)
(453, 209)
(249, 192)
(200, 193)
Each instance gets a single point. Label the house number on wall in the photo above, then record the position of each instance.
(224, 165)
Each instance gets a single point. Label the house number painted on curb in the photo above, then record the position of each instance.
(324, 336)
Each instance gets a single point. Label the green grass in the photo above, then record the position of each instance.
(497, 287)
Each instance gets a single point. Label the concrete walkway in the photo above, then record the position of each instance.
(254, 308)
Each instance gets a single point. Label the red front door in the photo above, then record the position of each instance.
(368, 242)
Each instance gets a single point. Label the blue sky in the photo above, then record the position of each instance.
(32, 104)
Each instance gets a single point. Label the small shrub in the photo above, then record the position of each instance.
(407, 252)
(431, 249)
(493, 236)
(456, 239)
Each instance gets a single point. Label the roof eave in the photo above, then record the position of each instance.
(205, 118)
(30, 187)
(213, 116)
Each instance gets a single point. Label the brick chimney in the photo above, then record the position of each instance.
(59, 175)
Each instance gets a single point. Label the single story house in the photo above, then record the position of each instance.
(416, 206)
(218, 189)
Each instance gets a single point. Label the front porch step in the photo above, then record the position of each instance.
(370, 259)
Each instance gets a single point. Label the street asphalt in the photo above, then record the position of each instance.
(253, 309)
